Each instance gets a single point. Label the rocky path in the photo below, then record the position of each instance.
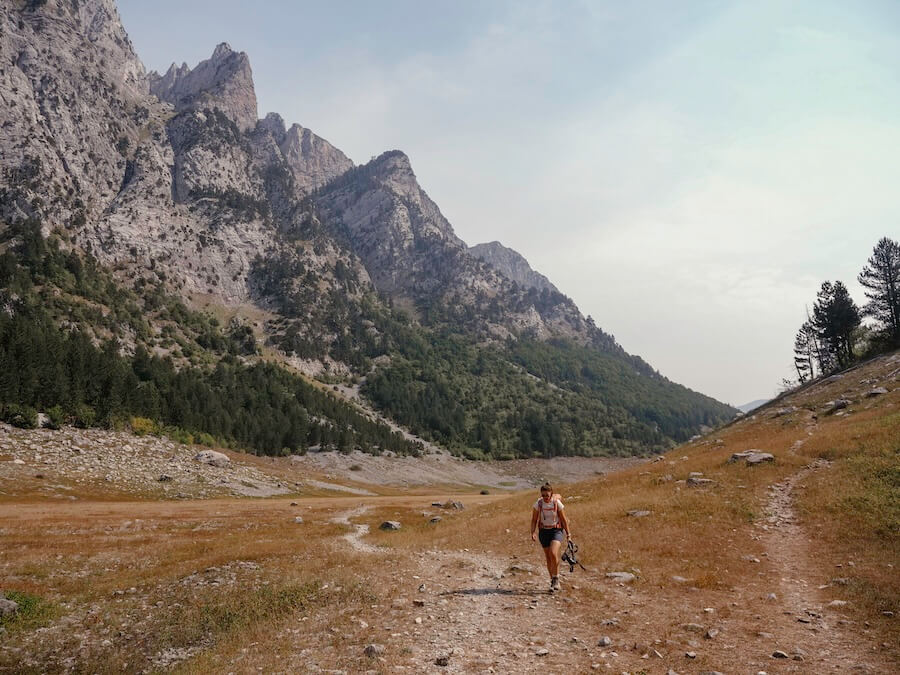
(811, 620)
(460, 611)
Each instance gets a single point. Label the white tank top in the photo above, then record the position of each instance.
(548, 513)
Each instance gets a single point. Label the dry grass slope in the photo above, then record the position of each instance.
(236, 585)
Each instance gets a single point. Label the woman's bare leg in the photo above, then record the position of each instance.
(553, 557)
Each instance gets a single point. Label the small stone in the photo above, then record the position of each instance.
(294, 504)
(637, 513)
(750, 558)
(771, 596)
(164, 478)
(418, 603)
(8, 607)
(837, 603)
(877, 391)
(389, 525)
(442, 661)
(373, 650)
(693, 627)
(623, 577)
(699, 482)
(298, 519)
(605, 641)
(418, 620)
(680, 580)
(543, 651)
(435, 519)
(888, 613)
(691, 655)
(712, 633)
(453, 504)
(778, 654)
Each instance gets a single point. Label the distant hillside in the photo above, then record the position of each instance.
(747, 407)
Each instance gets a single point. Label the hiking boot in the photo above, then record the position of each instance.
(554, 584)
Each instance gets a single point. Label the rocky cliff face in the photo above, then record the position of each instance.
(223, 81)
(173, 179)
(73, 99)
(511, 264)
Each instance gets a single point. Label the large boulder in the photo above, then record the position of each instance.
(213, 458)
(752, 457)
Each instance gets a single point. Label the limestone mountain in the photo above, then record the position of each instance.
(511, 264)
(171, 183)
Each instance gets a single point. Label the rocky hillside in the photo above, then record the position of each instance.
(512, 265)
(172, 181)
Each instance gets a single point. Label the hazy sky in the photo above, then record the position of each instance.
(688, 173)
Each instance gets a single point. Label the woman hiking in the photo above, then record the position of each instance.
(548, 521)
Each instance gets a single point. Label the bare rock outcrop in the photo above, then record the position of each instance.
(511, 264)
(224, 81)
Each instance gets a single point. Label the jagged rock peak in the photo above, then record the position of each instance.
(224, 81)
(511, 264)
(274, 124)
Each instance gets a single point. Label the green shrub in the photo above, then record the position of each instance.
(57, 417)
(22, 416)
(141, 426)
(84, 416)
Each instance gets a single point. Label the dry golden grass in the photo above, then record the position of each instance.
(236, 585)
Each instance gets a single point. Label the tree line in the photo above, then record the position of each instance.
(833, 336)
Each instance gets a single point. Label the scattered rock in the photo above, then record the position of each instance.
(693, 627)
(752, 457)
(164, 478)
(605, 641)
(435, 519)
(637, 513)
(877, 391)
(699, 482)
(837, 603)
(484, 492)
(712, 633)
(623, 577)
(888, 613)
(452, 504)
(294, 504)
(7, 607)
(691, 655)
(783, 411)
(834, 406)
(750, 558)
(213, 458)
(543, 651)
(373, 650)
(298, 519)
(778, 654)
(389, 525)
(443, 660)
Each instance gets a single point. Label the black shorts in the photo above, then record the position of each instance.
(549, 534)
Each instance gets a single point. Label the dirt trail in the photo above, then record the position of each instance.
(820, 639)
(470, 612)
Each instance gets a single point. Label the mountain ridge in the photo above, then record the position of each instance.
(172, 180)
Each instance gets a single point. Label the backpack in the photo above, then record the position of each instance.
(554, 500)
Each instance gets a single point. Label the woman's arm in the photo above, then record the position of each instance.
(564, 521)
(534, 519)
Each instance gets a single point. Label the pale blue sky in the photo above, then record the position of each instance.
(688, 172)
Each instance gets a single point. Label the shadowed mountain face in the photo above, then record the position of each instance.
(172, 180)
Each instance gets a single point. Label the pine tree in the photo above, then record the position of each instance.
(835, 317)
(881, 278)
(805, 352)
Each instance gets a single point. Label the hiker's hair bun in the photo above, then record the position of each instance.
(546, 488)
